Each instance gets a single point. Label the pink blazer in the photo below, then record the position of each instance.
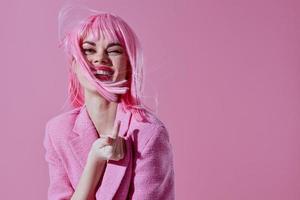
(145, 173)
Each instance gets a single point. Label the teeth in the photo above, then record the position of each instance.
(103, 72)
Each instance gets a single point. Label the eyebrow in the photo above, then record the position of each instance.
(109, 45)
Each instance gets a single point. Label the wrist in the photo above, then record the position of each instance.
(94, 160)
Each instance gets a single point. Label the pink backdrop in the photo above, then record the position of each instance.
(226, 74)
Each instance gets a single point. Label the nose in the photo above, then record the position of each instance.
(101, 58)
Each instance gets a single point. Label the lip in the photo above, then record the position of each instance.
(104, 68)
(103, 77)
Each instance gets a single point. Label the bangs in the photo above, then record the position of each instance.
(114, 30)
(101, 25)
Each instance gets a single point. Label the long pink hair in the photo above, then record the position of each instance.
(118, 30)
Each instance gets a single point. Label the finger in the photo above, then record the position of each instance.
(103, 141)
(116, 129)
(108, 140)
(122, 146)
(119, 150)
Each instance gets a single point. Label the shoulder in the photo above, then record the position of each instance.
(145, 133)
(58, 126)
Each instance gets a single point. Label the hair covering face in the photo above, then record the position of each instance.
(75, 24)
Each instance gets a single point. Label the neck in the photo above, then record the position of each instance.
(101, 111)
(95, 100)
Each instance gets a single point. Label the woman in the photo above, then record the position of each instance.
(109, 146)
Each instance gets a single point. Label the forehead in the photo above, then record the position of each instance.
(100, 37)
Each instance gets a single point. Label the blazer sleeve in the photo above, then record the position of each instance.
(59, 187)
(154, 172)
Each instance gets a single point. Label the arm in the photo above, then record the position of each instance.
(89, 179)
(60, 187)
(154, 173)
(103, 149)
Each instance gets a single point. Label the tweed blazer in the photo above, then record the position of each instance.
(145, 173)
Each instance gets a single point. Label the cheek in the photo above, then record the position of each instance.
(80, 76)
(122, 69)
(89, 58)
(84, 82)
(121, 62)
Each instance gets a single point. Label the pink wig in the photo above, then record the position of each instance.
(117, 30)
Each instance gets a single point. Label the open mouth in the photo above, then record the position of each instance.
(103, 73)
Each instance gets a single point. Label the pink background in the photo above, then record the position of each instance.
(226, 74)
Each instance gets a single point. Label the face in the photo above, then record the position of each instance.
(103, 52)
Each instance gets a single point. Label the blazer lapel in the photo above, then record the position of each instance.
(84, 135)
(81, 141)
(116, 170)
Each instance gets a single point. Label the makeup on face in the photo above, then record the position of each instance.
(113, 45)
(103, 72)
(111, 51)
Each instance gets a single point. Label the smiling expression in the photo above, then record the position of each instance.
(108, 60)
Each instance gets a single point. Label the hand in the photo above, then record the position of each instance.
(109, 147)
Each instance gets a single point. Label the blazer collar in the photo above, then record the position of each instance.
(84, 134)
(83, 124)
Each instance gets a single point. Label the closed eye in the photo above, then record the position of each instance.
(88, 51)
(114, 52)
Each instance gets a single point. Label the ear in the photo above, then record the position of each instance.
(74, 65)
